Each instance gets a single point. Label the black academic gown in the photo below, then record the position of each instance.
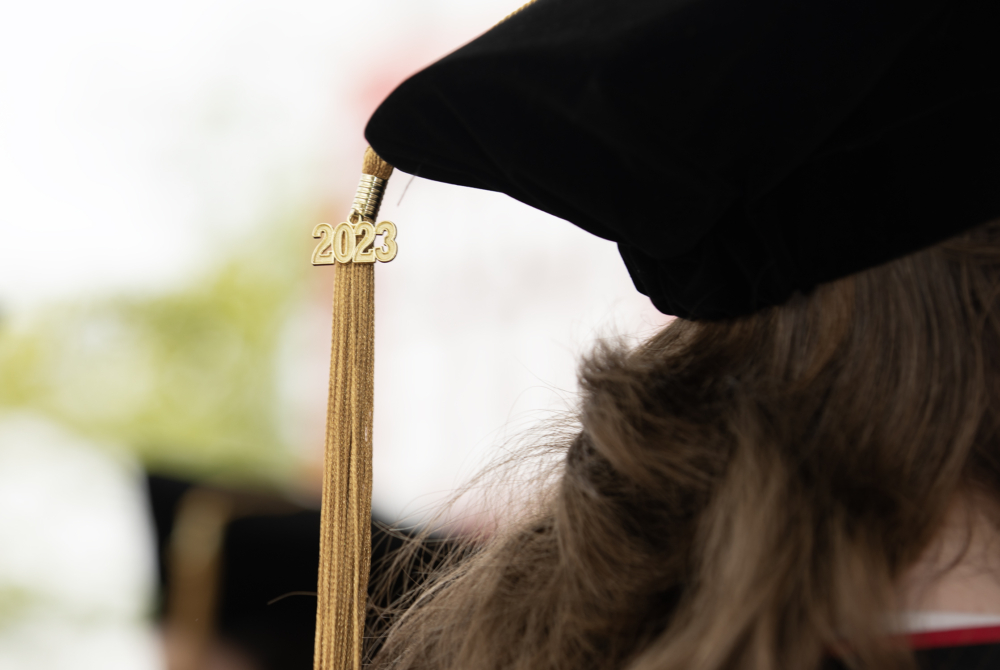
(968, 657)
(963, 649)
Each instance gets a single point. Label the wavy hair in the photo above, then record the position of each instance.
(743, 493)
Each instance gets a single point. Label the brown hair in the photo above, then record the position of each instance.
(743, 493)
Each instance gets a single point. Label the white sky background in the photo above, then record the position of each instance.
(136, 138)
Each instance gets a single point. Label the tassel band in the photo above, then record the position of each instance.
(368, 197)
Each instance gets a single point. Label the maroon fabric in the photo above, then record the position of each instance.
(958, 637)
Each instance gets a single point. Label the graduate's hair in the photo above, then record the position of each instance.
(743, 493)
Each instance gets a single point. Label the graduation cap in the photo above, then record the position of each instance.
(737, 151)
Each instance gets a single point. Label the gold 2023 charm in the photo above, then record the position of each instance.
(349, 242)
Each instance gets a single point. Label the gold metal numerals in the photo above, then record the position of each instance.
(354, 242)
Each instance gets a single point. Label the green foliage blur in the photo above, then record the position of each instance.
(187, 380)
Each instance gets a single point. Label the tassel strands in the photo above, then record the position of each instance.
(346, 510)
(345, 541)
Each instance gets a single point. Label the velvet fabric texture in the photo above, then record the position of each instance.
(738, 151)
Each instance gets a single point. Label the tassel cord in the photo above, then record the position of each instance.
(345, 535)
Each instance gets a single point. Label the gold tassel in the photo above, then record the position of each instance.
(517, 11)
(345, 540)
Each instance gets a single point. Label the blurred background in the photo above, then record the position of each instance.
(164, 339)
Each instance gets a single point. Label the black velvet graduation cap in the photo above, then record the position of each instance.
(737, 151)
